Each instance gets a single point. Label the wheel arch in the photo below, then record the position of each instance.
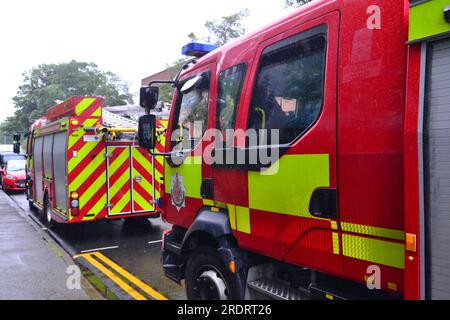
(208, 229)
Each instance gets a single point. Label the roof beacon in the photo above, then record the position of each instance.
(195, 49)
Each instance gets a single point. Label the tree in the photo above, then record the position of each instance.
(295, 3)
(166, 90)
(46, 83)
(219, 33)
(228, 28)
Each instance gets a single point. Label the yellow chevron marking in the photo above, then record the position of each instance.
(82, 153)
(119, 207)
(91, 168)
(113, 167)
(93, 189)
(143, 203)
(74, 139)
(147, 185)
(97, 112)
(145, 163)
(83, 105)
(97, 207)
(114, 189)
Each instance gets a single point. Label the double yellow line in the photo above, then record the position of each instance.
(94, 259)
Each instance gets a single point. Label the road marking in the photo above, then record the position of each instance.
(122, 284)
(122, 272)
(155, 242)
(100, 249)
(139, 283)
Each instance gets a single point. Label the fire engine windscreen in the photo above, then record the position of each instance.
(192, 115)
(288, 94)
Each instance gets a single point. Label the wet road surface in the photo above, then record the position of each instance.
(135, 247)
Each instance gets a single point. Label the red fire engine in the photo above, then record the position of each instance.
(356, 204)
(84, 165)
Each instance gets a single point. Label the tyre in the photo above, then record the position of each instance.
(207, 277)
(31, 206)
(46, 215)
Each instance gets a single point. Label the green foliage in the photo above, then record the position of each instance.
(295, 3)
(49, 82)
(228, 28)
(166, 90)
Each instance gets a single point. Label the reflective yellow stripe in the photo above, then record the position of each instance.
(207, 202)
(378, 251)
(143, 203)
(243, 219)
(287, 186)
(147, 185)
(112, 168)
(145, 163)
(97, 207)
(119, 206)
(373, 231)
(336, 243)
(115, 188)
(97, 112)
(232, 215)
(83, 105)
(77, 135)
(191, 171)
(82, 153)
(91, 191)
(96, 163)
(334, 225)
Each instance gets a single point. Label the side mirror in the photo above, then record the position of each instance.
(147, 131)
(149, 97)
(192, 84)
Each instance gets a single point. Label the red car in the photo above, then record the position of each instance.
(13, 178)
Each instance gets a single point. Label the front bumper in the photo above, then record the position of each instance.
(16, 185)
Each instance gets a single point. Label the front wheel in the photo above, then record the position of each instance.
(207, 277)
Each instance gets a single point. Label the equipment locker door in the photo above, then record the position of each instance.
(38, 182)
(437, 170)
(142, 180)
(119, 185)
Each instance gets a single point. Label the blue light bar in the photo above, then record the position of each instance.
(198, 50)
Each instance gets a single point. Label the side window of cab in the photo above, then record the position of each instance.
(288, 92)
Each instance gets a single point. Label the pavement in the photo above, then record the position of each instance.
(121, 255)
(32, 265)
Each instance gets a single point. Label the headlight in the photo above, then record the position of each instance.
(10, 177)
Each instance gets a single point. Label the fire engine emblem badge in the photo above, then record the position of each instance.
(178, 191)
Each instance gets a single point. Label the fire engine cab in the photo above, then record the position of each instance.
(349, 101)
(84, 164)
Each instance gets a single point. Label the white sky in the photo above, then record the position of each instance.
(133, 38)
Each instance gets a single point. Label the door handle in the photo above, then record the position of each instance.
(207, 189)
(323, 203)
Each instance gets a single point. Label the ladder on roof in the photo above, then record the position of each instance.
(114, 120)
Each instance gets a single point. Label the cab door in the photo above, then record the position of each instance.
(185, 170)
(287, 208)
